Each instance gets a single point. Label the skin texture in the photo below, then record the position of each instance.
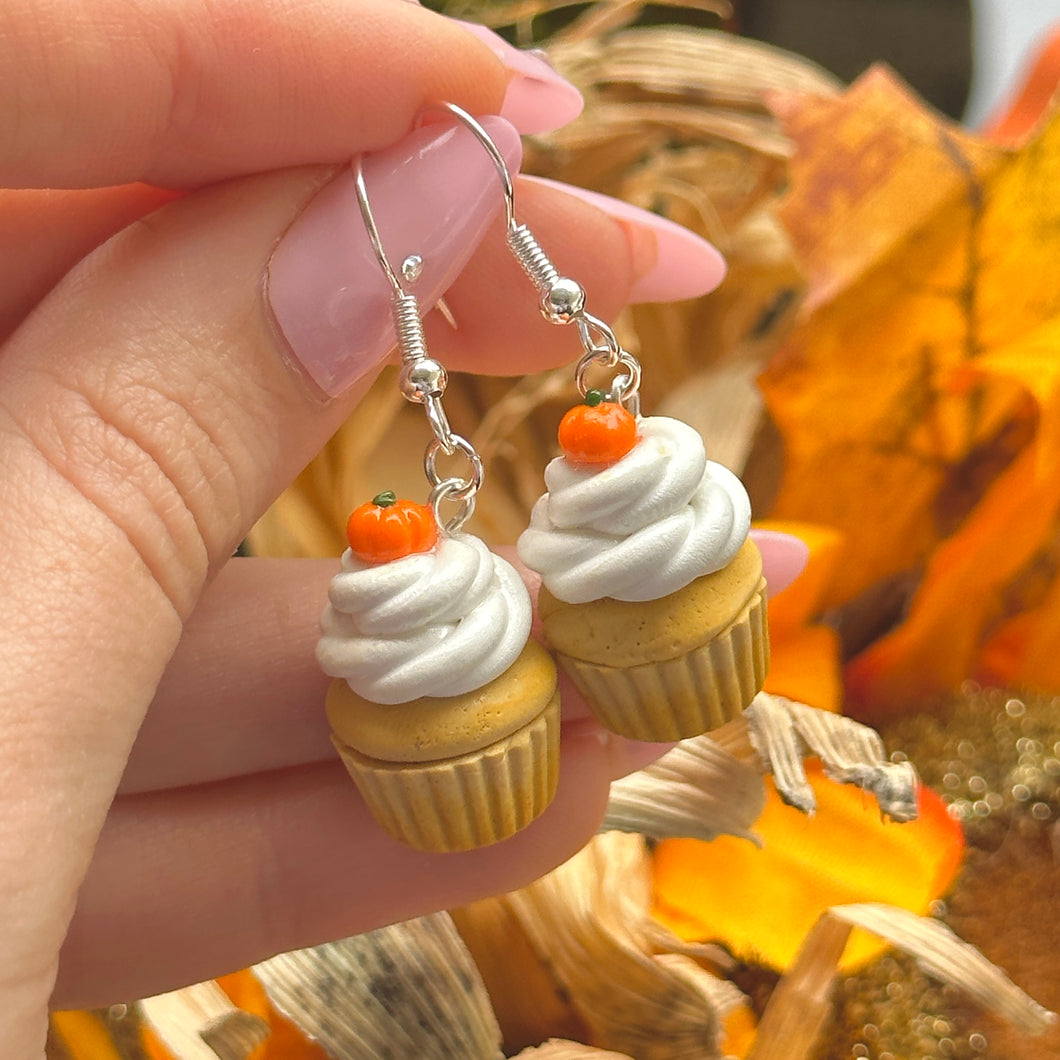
(170, 807)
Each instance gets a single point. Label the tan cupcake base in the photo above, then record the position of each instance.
(674, 699)
(468, 801)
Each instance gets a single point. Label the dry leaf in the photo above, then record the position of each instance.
(917, 397)
(962, 591)
(1019, 117)
(947, 958)
(762, 903)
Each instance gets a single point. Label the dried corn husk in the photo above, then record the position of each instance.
(698, 790)
(598, 19)
(799, 1008)
(588, 924)
(711, 785)
(942, 954)
(676, 121)
(200, 1023)
(557, 1049)
(707, 87)
(410, 990)
(530, 1003)
(784, 732)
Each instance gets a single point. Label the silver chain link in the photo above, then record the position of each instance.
(462, 489)
(624, 388)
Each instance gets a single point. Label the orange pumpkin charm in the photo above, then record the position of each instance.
(597, 433)
(386, 528)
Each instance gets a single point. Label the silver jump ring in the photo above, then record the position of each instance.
(625, 391)
(593, 358)
(447, 490)
(626, 386)
(461, 488)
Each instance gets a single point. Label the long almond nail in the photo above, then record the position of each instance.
(434, 195)
(538, 99)
(684, 264)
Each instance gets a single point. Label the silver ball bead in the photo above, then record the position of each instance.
(412, 268)
(563, 301)
(421, 379)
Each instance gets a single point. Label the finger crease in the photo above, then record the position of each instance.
(144, 496)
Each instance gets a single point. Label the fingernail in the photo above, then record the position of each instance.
(537, 99)
(433, 194)
(684, 265)
(784, 557)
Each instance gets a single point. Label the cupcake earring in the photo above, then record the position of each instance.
(445, 714)
(653, 597)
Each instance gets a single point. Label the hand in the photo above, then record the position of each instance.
(156, 394)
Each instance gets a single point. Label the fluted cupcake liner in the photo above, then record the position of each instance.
(468, 801)
(674, 699)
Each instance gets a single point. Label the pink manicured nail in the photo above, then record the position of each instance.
(783, 557)
(537, 99)
(433, 194)
(686, 266)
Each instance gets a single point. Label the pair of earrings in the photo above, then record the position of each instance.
(445, 714)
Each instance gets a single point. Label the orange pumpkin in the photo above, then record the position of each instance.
(386, 528)
(597, 433)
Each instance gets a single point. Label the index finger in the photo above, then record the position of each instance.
(180, 93)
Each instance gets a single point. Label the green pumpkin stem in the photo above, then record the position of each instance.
(386, 499)
(595, 397)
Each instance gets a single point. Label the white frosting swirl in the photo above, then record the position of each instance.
(641, 528)
(436, 623)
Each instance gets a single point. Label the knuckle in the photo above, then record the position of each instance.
(144, 461)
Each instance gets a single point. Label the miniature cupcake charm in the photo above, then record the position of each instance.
(445, 714)
(653, 595)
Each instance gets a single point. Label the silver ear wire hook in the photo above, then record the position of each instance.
(406, 311)
(474, 126)
(521, 240)
(372, 228)
(422, 379)
(561, 299)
